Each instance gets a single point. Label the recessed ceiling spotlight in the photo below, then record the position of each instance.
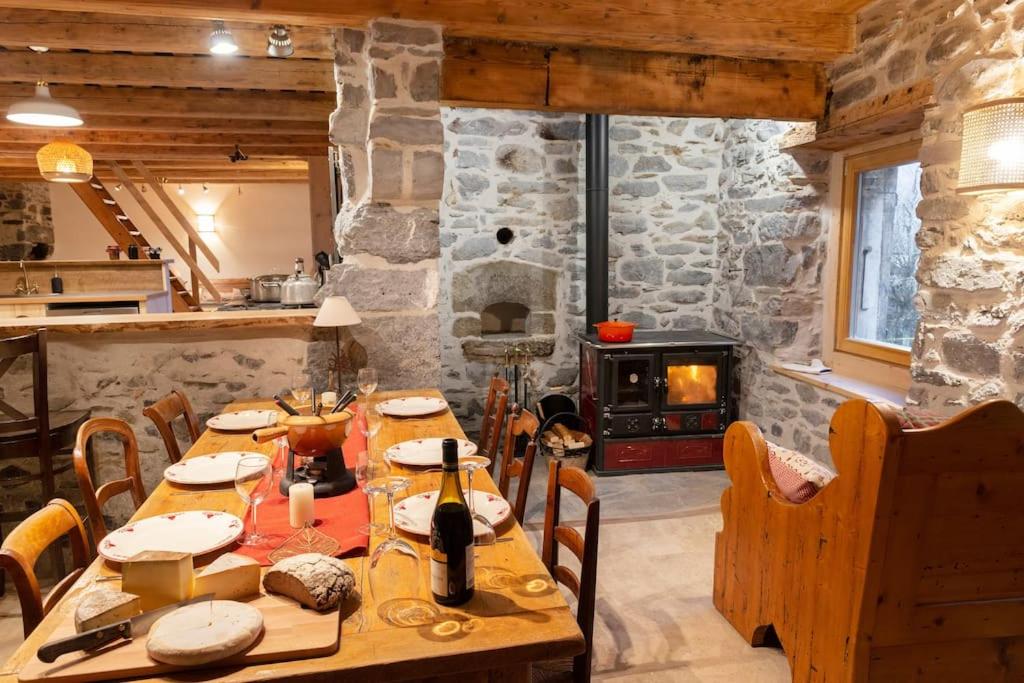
(279, 43)
(181, 189)
(43, 110)
(206, 190)
(221, 40)
(118, 187)
(38, 48)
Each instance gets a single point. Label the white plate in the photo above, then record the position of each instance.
(413, 514)
(215, 468)
(412, 406)
(193, 531)
(243, 420)
(424, 452)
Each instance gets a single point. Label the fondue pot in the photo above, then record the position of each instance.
(316, 440)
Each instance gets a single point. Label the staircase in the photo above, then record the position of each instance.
(113, 218)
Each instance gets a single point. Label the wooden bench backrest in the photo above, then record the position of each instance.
(952, 565)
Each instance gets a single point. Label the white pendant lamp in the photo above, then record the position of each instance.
(62, 161)
(43, 110)
(221, 40)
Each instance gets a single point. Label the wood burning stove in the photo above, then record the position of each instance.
(660, 402)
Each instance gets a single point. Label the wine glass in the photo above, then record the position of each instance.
(369, 425)
(366, 378)
(254, 478)
(395, 577)
(371, 476)
(472, 463)
(302, 389)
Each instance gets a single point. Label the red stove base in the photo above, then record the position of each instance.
(622, 456)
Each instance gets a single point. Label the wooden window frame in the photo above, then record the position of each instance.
(853, 166)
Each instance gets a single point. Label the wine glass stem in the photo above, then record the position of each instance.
(391, 515)
(469, 485)
(253, 507)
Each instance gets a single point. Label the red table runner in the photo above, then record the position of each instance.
(339, 517)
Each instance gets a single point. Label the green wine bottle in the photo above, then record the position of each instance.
(451, 535)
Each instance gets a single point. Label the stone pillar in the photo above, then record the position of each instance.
(26, 225)
(388, 130)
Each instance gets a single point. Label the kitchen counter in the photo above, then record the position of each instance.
(79, 297)
(157, 322)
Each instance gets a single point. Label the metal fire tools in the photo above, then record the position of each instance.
(517, 373)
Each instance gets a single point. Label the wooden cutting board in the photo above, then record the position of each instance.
(289, 632)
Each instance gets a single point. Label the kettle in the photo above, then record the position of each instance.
(299, 289)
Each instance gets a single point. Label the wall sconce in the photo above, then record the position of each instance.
(205, 224)
(992, 150)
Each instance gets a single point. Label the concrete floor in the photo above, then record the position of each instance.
(655, 620)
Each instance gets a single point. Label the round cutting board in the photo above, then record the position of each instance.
(215, 468)
(424, 452)
(193, 531)
(243, 420)
(412, 406)
(413, 514)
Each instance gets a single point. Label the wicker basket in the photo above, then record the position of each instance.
(569, 457)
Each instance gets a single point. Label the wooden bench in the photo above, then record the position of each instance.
(908, 566)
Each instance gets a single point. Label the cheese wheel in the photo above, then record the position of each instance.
(204, 632)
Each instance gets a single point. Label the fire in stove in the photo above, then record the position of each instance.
(692, 384)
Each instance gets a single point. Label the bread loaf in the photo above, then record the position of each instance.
(315, 580)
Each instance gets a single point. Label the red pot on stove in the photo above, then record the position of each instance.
(615, 331)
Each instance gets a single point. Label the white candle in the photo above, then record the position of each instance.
(329, 398)
(300, 505)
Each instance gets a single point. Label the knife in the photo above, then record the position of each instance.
(123, 630)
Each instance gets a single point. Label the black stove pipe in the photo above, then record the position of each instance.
(597, 219)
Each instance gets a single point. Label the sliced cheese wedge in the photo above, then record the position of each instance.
(104, 607)
(229, 577)
(158, 577)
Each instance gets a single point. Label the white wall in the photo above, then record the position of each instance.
(261, 230)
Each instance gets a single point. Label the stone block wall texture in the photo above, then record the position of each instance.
(971, 272)
(26, 224)
(115, 376)
(388, 131)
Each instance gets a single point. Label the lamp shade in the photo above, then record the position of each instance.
(336, 311)
(992, 150)
(63, 161)
(43, 110)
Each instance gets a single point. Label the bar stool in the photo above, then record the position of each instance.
(164, 412)
(41, 435)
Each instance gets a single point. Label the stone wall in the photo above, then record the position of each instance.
(388, 130)
(26, 224)
(972, 255)
(117, 375)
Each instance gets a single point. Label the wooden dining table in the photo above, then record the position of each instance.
(517, 615)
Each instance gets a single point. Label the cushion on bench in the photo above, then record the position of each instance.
(798, 477)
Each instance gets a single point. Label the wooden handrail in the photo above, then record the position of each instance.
(186, 256)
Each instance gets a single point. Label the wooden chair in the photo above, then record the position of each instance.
(493, 420)
(96, 499)
(164, 412)
(906, 566)
(520, 422)
(41, 435)
(584, 547)
(22, 548)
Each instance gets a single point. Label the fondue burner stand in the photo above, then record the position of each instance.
(327, 473)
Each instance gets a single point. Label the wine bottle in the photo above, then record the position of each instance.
(451, 535)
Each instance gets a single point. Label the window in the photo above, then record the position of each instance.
(875, 313)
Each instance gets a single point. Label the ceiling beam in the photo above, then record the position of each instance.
(86, 138)
(253, 164)
(242, 73)
(777, 29)
(124, 151)
(142, 34)
(199, 104)
(187, 176)
(165, 124)
(486, 74)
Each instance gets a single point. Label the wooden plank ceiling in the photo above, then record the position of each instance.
(148, 89)
(140, 74)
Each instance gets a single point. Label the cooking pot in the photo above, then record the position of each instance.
(266, 288)
(615, 331)
(298, 290)
(308, 435)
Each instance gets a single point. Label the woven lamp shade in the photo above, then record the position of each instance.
(992, 151)
(64, 162)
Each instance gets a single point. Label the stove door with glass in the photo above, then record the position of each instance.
(693, 392)
(631, 399)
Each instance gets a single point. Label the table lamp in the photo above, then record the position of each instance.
(336, 312)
